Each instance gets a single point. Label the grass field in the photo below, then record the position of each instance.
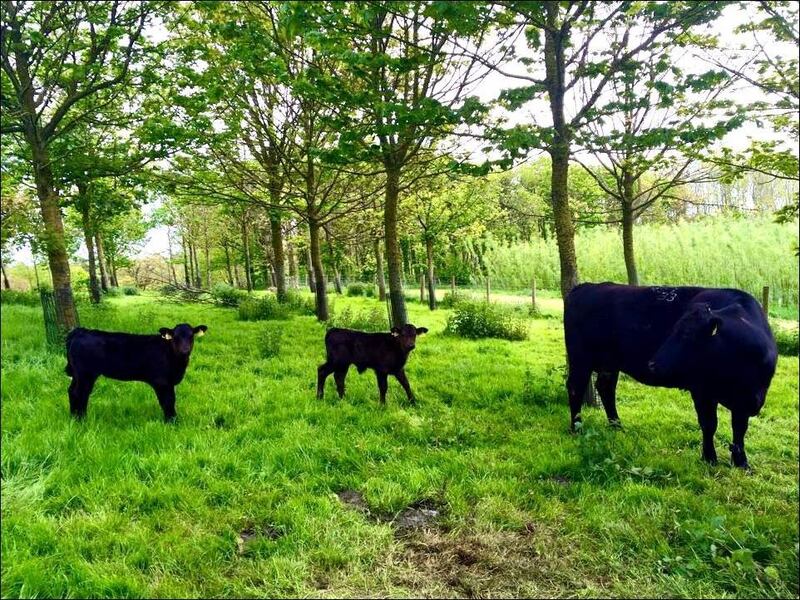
(262, 490)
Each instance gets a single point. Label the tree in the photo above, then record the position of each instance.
(56, 57)
(568, 42)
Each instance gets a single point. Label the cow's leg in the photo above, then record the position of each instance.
(707, 417)
(383, 384)
(323, 371)
(607, 388)
(166, 398)
(739, 422)
(79, 391)
(577, 381)
(401, 377)
(339, 375)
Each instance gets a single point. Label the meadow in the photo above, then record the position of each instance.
(261, 490)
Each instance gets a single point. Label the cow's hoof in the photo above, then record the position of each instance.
(171, 420)
(576, 427)
(615, 424)
(710, 460)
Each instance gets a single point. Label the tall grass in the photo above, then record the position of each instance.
(719, 252)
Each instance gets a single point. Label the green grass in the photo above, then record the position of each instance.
(238, 498)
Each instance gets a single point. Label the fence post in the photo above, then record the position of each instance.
(487, 288)
(533, 294)
(422, 288)
(453, 285)
(765, 299)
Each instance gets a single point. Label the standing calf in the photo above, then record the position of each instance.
(714, 343)
(158, 360)
(384, 353)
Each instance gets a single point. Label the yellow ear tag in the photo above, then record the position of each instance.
(200, 332)
(714, 331)
(167, 336)
(395, 334)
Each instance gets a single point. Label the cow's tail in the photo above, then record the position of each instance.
(68, 369)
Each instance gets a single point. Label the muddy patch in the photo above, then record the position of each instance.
(419, 515)
(251, 533)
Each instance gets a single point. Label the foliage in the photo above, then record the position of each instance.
(299, 304)
(227, 295)
(373, 319)
(255, 308)
(112, 291)
(787, 339)
(450, 299)
(476, 319)
(130, 290)
(361, 289)
(29, 298)
(269, 342)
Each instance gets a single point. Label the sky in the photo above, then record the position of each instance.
(490, 86)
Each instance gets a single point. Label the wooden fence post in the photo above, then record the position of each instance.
(765, 299)
(533, 294)
(487, 289)
(422, 288)
(453, 285)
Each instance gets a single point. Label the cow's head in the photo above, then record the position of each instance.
(181, 337)
(695, 334)
(407, 335)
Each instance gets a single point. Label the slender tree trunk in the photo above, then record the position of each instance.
(237, 280)
(246, 244)
(312, 284)
(36, 274)
(186, 274)
(198, 276)
(278, 257)
(319, 272)
(112, 268)
(94, 285)
(393, 258)
(337, 279)
(431, 279)
(171, 257)
(6, 284)
(101, 261)
(627, 230)
(208, 264)
(228, 264)
(379, 271)
(292, 264)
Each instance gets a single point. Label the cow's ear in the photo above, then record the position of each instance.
(395, 331)
(200, 330)
(165, 333)
(421, 330)
(713, 325)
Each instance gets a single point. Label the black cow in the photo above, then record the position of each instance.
(159, 360)
(384, 353)
(715, 343)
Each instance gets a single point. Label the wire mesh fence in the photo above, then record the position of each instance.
(54, 334)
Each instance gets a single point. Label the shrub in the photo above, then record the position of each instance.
(130, 290)
(29, 298)
(263, 308)
(300, 304)
(788, 340)
(269, 342)
(450, 299)
(227, 295)
(113, 292)
(482, 319)
(361, 289)
(370, 320)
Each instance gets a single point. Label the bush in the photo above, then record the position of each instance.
(450, 299)
(113, 292)
(481, 320)
(261, 309)
(29, 298)
(269, 343)
(300, 304)
(788, 340)
(372, 320)
(130, 290)
(227, 295)
(361, 289)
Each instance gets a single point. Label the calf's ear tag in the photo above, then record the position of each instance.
(714, 331)
(200, 332)
(395, 334)
(167, 336)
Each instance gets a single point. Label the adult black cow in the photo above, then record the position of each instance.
(715, 343)
(158, 360)
(384, 353)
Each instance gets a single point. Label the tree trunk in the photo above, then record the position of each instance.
(171, 257)
(94, 285)
(312, 285)
(198, 276)
(337, 279)
(246, 245)
(101, 261)
(6, 284)
(319, 273)
(379, 271)
(228, 264)
(277, 253)
(112, 268)
(431, 279)
(627, 231)
(393, 259)
(208, 265)
(186, 275)
(292, 264)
